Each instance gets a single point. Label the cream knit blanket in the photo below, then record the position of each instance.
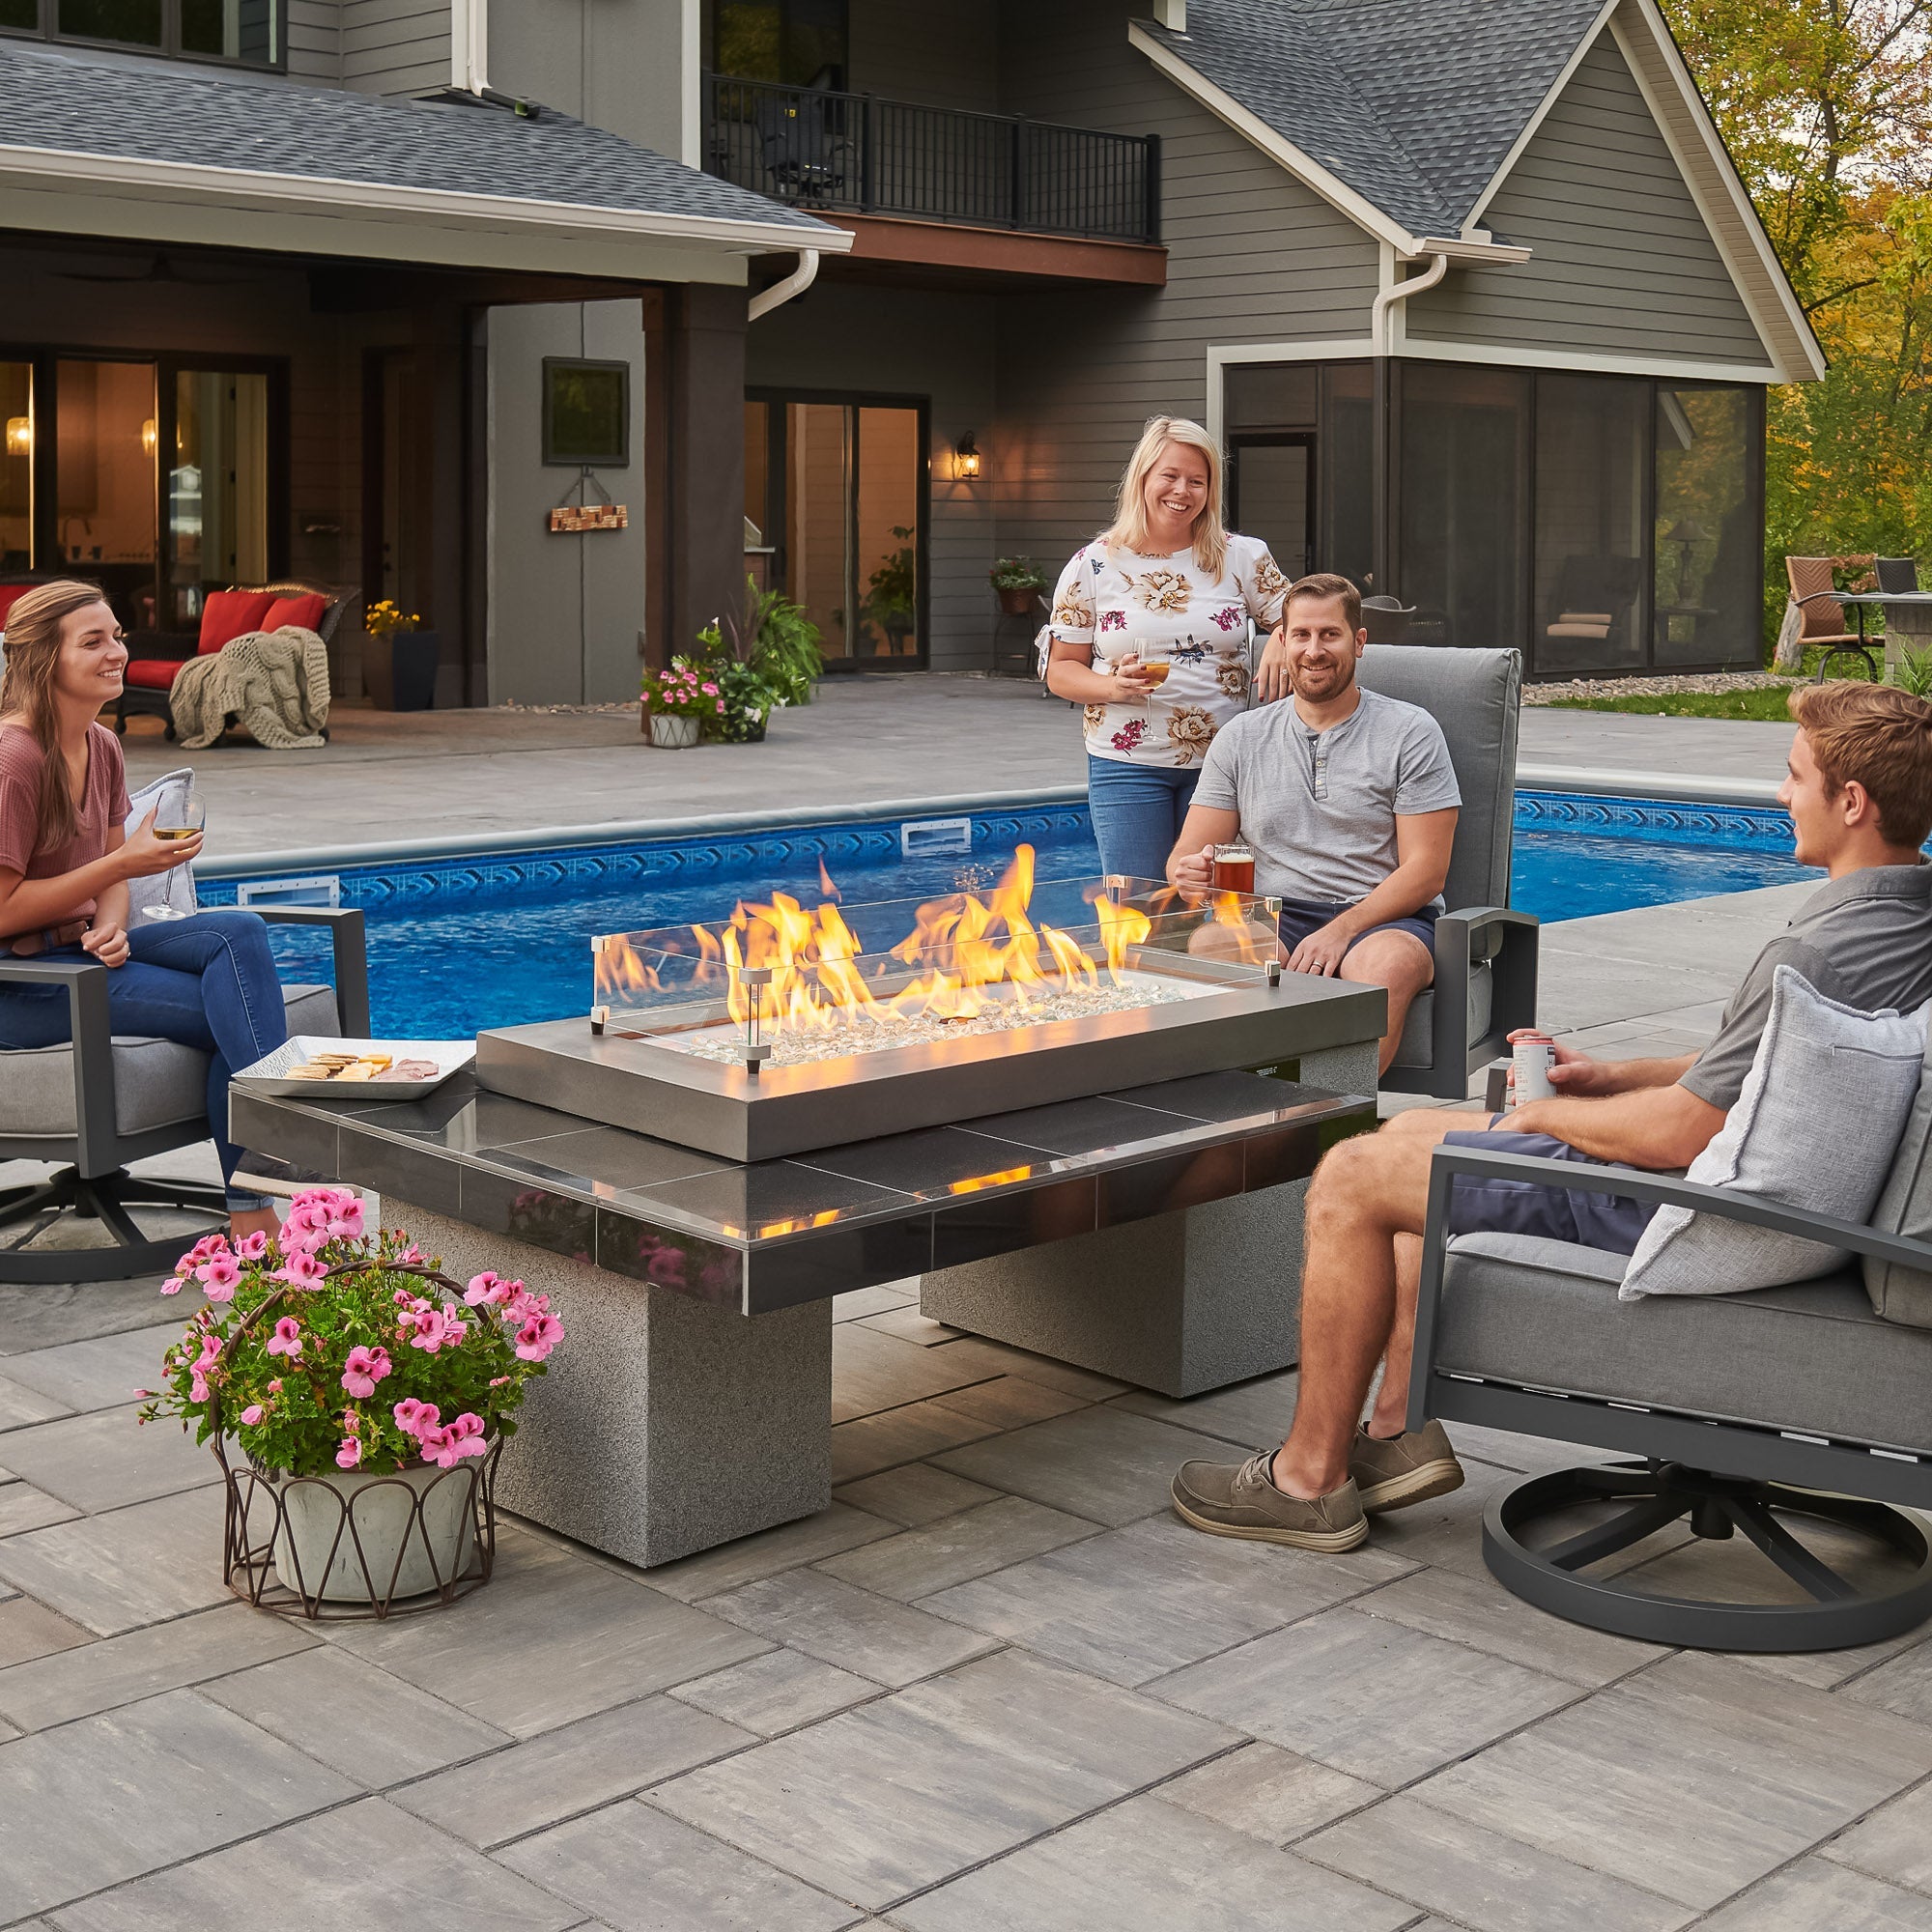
(273, 682)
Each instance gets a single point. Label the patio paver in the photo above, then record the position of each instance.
(1268, 1793)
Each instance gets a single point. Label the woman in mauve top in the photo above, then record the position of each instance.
(1166, 583)
(66, 859)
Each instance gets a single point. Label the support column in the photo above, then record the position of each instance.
(700, 346)
(665, 1425)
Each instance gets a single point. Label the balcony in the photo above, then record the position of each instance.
(890, 161)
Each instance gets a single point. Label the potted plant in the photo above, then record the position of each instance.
(362, 1398)
(892, 593)
(677, 703)
(1018, 581)
(766, 658)
(749, 699)
(399, 661)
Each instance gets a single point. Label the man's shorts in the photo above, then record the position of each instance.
(1298, 918)
(1482, 1204)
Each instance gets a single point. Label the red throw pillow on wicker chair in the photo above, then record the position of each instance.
(9, 595)
(305, 611)
(230, 613)
(152, 673)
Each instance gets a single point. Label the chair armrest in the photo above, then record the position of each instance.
(1831, 596)
(352, 956)
(1627, 1184)
(96, 1130)
(1506, 941)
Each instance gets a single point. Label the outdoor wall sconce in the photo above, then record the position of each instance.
(966, 459)
(149, 437)
(19, 436)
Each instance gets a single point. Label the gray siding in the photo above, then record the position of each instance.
(1252, 257)
(616, 63)
(915, 345)
(565, 611)
(1624, 264)
(314, 41)
(395, 47)
(941, 54)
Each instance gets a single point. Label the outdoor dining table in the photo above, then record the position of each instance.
(1857, 600)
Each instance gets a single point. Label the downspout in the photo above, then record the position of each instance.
(796, 283)
(469, 45)
(1400, 291)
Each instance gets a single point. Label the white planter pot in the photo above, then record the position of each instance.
(671, 733)
(377, 1512)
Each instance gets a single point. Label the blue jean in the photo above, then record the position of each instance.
(1138, 811)
(206, 981)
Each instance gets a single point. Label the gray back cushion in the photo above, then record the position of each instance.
(1474, 696)
(1905, 1207)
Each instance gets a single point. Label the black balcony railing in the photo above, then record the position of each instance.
(864, 155)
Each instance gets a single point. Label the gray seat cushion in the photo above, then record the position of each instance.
(1810, 1357)
(1417, 1044)
(156, 1082)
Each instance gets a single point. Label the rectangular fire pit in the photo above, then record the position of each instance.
(787, 1030)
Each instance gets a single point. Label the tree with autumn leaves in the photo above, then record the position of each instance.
(1826, 108)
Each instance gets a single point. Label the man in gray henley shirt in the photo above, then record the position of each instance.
(1348, 801)
(1860, 795)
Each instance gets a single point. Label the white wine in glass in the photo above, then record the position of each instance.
(181, 816)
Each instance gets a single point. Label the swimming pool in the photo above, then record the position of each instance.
(460, 944)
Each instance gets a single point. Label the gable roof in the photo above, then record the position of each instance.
(107, 119)
(1407, 115)
(1412, 104)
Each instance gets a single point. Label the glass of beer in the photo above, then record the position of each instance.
(1234, 868)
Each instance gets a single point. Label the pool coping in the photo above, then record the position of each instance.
(1671, 786)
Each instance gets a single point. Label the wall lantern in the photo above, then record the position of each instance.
(19, 436)
(966, 459)
(149, 437)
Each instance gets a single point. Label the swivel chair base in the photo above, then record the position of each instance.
(1841, 1615)
(28, 1212)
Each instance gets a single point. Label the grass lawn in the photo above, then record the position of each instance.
(1760, 704)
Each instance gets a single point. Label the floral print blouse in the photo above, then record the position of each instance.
(1117, 601)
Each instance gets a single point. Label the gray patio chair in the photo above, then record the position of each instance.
(1898, 575)
(1485, 953)
(101, 1101)
(1751, 1414)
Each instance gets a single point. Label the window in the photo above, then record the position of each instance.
(835, 516)
(587, 412)
(796, 43)
(16, 467)
(217, 488)
(245, 32)
(1592, 477)
(1709, 524)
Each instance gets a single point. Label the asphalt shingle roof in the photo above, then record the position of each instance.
(1412, 104)
(141, 111)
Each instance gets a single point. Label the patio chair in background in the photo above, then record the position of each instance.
(1590, 625)
(1386, 620)
(1816, 599)
(100, 1101)
(1911, 627)
(225, 616)
(1799, 1402)
(1485, 953)
(802, 148)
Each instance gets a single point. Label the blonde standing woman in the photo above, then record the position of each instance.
(1166, 585)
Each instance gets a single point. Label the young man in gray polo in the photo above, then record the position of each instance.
(1860, 794)
(1348, 801)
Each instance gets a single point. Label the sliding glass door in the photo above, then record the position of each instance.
(834, 517)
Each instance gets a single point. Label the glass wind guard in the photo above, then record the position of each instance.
(783, 983)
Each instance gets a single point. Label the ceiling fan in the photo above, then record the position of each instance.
(161, 270)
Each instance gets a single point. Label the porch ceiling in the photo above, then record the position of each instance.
(106, 146)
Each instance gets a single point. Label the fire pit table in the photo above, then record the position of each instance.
(1104, 1162)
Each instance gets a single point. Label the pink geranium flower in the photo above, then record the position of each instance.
(252, 1247)
(252, 1414)
(448, 1446)
(364, 1369)
(489, 1288)
(537, 1337)
(415, 1418)
(287, 1338)
(218, 1275)
(301, 1269)
(430, 1329)
(410, 1257)
(349, 1453)
(173, 1284)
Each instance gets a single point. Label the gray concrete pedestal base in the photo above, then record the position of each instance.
(663, 1424)
(1183, 1302)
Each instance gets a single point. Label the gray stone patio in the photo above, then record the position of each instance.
(995, 1685)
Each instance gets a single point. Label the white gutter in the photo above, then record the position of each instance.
(470, 44)
(64, 171)
(1400, 291)
(779, 294)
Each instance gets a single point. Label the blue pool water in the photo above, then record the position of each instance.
(457, 945)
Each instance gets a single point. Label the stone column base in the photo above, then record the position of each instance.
(665, 1425)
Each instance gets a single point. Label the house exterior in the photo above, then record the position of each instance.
(857, 295)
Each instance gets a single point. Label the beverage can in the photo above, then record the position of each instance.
(1532, 1054)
